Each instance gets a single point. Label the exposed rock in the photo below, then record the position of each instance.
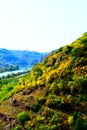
(11, 122)
(8, 127)
(53, 62)
(26, 92)
(14, 102)
(27, 106)
(40, 87)
(3, 117)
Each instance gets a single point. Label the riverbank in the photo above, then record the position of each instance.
(14, 73)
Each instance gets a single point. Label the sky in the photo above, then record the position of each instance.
(41, 25)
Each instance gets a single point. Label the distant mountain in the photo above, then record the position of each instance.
(20, 57)
(7, 57)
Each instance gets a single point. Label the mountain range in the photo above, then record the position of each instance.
(53, 96)
(20, 57)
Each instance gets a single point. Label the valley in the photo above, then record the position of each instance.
(51, 96)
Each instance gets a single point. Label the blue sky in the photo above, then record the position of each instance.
(41, 25)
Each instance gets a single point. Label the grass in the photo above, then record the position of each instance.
(9, 86)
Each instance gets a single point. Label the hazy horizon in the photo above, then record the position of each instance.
(26, 50)
(41, 25)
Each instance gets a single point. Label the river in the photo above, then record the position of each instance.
(16, 71)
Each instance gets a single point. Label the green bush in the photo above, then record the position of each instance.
(59, 50)
(54, 88)
(80, 124)
(16, 128)
(23, 117)
(81, 98)
(54, 102)
(43, 127)
(46, 60)
(85, 125)
(85, 47)
(41, 100)
(37, 71)
(82, 83)
(9, 88)
(68, 49)
(35, 107)
(74, 52)
(84, 38)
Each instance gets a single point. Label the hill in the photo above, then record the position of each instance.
(53, 96)
(6, 57)
(19, 57)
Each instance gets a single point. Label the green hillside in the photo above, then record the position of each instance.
(53, 96)
(21, 58)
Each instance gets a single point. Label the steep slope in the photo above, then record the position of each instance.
(53, 96)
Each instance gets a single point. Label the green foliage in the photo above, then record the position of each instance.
(80, 124)
(9, 88)
(85, 47)
(37, 71)
(85, 125)
(54, 101)
(81, 98)
(9, 68)
(74, 52)
(58, 84)
(54, 88)
(56, 118)
(23, 117)
(44, 127)
(16, 128)
(67, 49)
(82, 83)
(59, 50)
(41, 100)
(35, 107)
(84, 38)
(46, 60)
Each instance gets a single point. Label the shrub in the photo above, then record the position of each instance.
(35, 107)
(54, 102)
(41, 100)
(37, 72)
(16, 128)
(84, 38)
(67, 49)
(70, 120)
(54, 88)
(82, 83)
(44, 127)
(59, 50)
(46, 60)
(85, 125)
(9, 88)
(23, 117)
(81, 98)
(74, 52)
(80, 124)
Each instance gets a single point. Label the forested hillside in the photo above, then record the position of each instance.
(53, 96)
(21, 58)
